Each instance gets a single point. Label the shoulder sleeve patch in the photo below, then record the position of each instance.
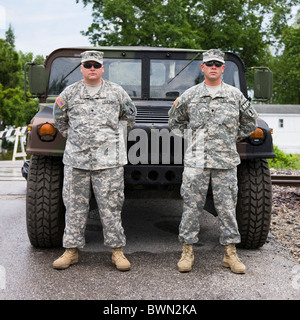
(59, 102)
(176, 102)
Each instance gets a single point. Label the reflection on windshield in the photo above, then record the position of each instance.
(170, 78)
(127, 73)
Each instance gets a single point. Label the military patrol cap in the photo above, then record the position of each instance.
(92, 56)
(213, 55)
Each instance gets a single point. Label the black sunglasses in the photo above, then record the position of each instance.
(218, 64)
(89, 65)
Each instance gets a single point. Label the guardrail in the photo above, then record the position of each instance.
(19, 134)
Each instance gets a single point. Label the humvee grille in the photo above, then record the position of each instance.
(151, 114)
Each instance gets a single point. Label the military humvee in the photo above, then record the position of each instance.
(154, 78)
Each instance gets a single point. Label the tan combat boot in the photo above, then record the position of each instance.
(120, 260)
(232, 261)
(187, 258)
(69, 257)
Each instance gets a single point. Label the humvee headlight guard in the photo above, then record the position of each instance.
(257, 137)
(47, 132)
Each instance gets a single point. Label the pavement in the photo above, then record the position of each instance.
(151, 228)
(11, 171)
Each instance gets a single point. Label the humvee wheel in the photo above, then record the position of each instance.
(45, 212)
(254, 203)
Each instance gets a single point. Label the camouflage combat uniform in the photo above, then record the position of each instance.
(95, 153)
(212, 126)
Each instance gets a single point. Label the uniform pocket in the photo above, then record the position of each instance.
(228, 115)
(108, 115)
(199, 115)
(116, 187)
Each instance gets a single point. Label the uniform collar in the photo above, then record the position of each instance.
(84, 93)
(221, 93)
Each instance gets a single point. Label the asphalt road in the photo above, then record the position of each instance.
(151, 227)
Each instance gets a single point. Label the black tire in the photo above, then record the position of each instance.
(45, 212)
(254, 204)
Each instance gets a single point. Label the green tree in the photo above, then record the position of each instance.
(9, 65)
(286, 67)
(29, 57)
(245, 27)
(10, 36)
(15, 108)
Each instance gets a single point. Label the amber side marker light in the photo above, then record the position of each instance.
(47, 132)
(257, 137)
(257, 134)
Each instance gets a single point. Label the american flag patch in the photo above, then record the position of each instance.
(59, 102)
(176, 102)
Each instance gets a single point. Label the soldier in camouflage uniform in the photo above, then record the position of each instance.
(93, 115)
(213, 116)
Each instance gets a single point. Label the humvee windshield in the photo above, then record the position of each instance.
(168, 78)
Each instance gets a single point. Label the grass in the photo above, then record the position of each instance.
(7, 156)
(284, 160)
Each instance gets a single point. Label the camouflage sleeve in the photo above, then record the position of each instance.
(178, 117)
(60, 115)
(248, 117)
(128, 111)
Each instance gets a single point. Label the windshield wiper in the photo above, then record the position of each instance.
(70, 72)
(196, 56)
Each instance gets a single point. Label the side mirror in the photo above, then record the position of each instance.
(37, 79)
(263, 83)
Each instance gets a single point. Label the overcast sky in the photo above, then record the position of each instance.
(40, 26)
